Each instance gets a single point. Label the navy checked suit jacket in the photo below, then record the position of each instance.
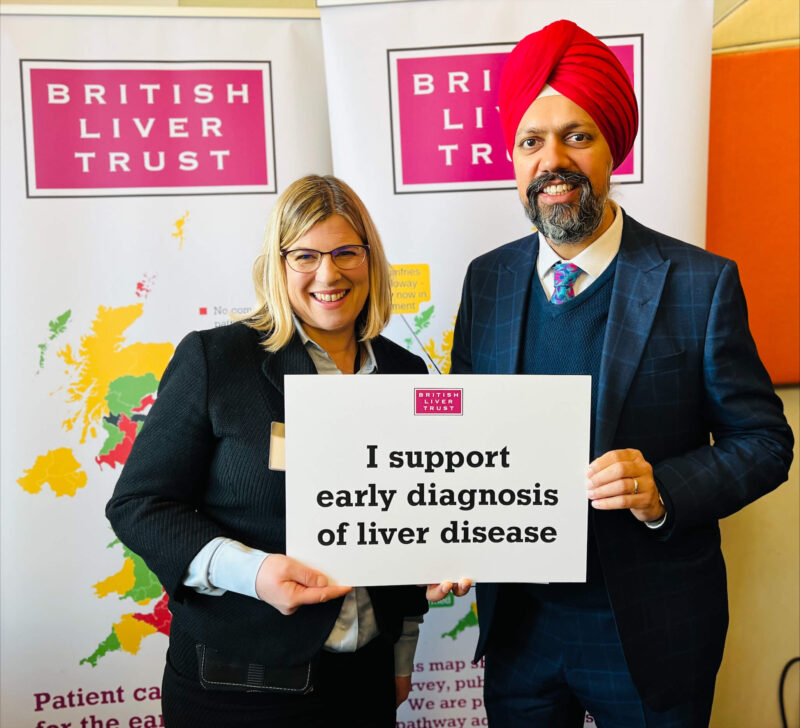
(678, 367)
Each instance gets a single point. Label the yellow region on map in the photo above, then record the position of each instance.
(442, 356)
(131, 631)
(102, 357)
(59, 468)
(411, 286)
(180, 223)
(120, 583)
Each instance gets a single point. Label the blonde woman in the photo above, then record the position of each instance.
(257, 638)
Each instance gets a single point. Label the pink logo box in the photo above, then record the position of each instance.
(446, 133)
(147, 128)
(438, 401)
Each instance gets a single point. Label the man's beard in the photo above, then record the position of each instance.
(562, 223)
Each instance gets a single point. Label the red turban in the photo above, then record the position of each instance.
(579, 66)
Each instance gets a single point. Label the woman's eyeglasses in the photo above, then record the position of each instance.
(306, 260)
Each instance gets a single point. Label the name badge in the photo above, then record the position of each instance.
(277, 446)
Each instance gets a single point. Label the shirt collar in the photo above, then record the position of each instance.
(369, 366)
(592, 260)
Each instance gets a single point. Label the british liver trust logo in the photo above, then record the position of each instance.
(147, 128)
(446, 133)
(438, 401)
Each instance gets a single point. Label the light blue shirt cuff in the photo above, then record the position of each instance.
(197, 573)
(225, 565)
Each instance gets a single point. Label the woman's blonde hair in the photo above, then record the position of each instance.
(303, 204)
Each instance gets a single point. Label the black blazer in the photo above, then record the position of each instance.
(199, 469)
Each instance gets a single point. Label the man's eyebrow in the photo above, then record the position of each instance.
(562, 129)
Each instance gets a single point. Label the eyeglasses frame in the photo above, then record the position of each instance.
(285, 253)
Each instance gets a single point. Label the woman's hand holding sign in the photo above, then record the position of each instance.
(437, 592)
(287, 584)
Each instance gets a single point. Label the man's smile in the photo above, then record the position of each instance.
(559, 192)
(558, 189)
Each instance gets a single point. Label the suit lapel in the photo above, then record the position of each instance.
(513, 282)
(638, 284)
(291, 359)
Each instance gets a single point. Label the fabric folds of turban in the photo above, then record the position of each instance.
(579, 66)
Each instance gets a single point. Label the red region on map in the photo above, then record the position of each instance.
(148, 401)
(160, 617)
(119, 454)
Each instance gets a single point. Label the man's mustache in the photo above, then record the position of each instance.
(576, 179)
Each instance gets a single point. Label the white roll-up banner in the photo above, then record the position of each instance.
(415, 128)
(141, 158)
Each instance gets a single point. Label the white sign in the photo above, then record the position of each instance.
(401, 480)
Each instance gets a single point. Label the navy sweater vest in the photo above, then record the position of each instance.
(568, 339)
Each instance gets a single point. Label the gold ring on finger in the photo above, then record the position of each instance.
(635, 486)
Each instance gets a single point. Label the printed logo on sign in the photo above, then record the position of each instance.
(446, 133)
(96, 128)
(438, 402)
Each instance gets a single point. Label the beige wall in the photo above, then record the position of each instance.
(762, 551)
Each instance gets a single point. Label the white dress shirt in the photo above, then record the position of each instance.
(592, 260)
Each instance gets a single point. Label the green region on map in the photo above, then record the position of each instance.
(109, 644)
(423, 320)
(146, 586)
(57, 326)
(124, 395)
(127, 392)
(470, 619)
(114, 436)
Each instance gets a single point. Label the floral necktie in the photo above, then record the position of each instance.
(565, 275)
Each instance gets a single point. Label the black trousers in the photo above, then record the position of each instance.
(355, 689)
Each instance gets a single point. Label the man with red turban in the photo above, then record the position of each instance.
(661, 327)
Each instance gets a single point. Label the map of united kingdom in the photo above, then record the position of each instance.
(112, 384)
